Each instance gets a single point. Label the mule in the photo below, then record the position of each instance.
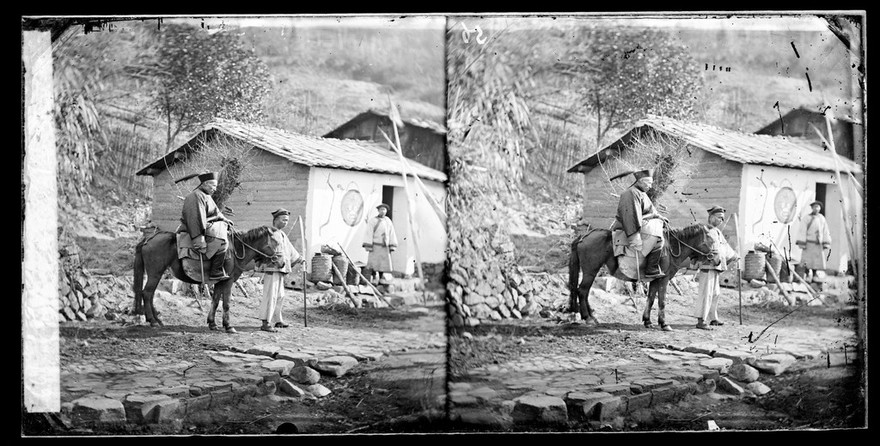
(594, 249)
(154, 254)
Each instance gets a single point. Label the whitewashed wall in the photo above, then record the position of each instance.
(325, 224)
(758, 219)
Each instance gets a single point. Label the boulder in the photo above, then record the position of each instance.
(758, 388)
(288, 388)
(530, 308)
(305, 375)
(736, 355)
(318, 390)
(143, 408)
(471, 299)
(539, 409)
(743, 372)
(728, 386)
(775, 363)
(264, 350)
(301, 359)
(282, 366)
(335, 366)
(722, 365)
(584, 406)
(95, 409)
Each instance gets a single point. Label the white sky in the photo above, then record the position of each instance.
(738, 21)
(360, 21)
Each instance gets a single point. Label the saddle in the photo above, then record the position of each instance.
(630, 263)
(197, 266)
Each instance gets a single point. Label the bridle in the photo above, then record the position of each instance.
(707, 255)
(235, 235)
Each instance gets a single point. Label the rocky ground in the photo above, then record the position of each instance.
(397, 370)
(555, 374)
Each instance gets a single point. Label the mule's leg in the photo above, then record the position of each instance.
(139, 302)
(150, 312)
(226, 291)
(652, 294)
(215, 300)
(584, 299)
(661, 305)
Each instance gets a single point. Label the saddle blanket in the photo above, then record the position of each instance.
(214, 244)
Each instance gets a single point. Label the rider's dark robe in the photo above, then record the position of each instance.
(199, 211)
(198, 207)
(631, 208)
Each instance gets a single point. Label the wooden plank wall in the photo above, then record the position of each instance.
(270, 182)
(713, 181)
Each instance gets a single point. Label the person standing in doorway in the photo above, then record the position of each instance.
(274, 271)
(816, 244)
(706, 304)
(380, 241)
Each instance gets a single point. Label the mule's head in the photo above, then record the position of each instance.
(264, 241)
(274, 248)
(709, 245)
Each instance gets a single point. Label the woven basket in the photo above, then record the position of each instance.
(754, 268)
(341, 264)
(321, 267)
(775, 263)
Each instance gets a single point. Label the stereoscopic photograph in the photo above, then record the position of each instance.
(442, 224)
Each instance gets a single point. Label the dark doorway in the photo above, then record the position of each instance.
(820, 195)
(388, 198)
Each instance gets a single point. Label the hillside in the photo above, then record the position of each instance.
(765, 69)
(320, 78)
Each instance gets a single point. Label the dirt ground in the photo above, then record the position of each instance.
(809, 395)
(385, 396)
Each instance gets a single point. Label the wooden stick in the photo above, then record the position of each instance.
(677, 289)
(790, 299)
(409, 206)
(809, 288)
(376, 290)
(302, 239)
(344, 285)
(739, 286)
(739, 282)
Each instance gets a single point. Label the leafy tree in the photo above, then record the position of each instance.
(205, 75)
(624, 74)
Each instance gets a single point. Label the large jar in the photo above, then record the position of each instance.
(754, 266)
(322, 269)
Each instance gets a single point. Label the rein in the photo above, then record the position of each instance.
(672, 233)
(235, 235)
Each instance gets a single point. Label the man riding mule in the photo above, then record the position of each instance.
(205, 226)
(640, 240)
(203, 231)
(638, 227)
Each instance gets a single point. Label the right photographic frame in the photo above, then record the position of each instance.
(656, 222)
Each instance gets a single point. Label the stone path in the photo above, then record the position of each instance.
(287, 364)
(600, 388)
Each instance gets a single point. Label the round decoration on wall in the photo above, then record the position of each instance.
(352, 207)
(785, 205)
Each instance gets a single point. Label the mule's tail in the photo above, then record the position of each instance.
(574, 270)
(138, 275)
